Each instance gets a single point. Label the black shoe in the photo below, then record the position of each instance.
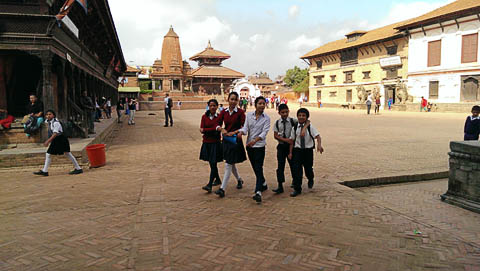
(257, 197)
(207, 188)
(279, 190)
(217, 182)
(171, 125)
(165, 125)
(291, 186)
(295, 193)
(310, 184)
(76, 171)
(240, 184)
(41, 173)
(264, 188)
(220, 192)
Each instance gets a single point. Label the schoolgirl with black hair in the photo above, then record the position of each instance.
(59, 145)
(211, 150)
(233, 119)
(257, 125)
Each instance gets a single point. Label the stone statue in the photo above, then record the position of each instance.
(361, 94)
(402, 94)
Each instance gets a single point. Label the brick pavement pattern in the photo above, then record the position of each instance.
(145, 209)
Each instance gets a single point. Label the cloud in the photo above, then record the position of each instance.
(266, 43)
(293, 11)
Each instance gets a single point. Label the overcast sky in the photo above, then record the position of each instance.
(266, 35)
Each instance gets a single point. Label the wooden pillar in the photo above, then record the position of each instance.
(3, 84)
(47, 88)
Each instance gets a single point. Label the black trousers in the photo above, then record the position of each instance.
(168, 114)
(369, 106)
(282, 154)
(302, 160)
(256, 157)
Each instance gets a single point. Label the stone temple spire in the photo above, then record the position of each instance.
(171, 53)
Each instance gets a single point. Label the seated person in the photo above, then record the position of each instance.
(5, 119)
(34, 109)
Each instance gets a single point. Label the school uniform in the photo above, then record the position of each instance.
(211, 150)
(284, 129)
(472, 128)
(60, 143)
(254, 128)
(303, 154)
(233, 121)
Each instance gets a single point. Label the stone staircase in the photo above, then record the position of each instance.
(15, 135)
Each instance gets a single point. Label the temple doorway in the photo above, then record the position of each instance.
(176, 84)
(390, 93)
(470, 89)
(20, 76)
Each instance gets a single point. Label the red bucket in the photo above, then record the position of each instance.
(96, 155)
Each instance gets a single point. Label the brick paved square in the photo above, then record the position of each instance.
(145, 210)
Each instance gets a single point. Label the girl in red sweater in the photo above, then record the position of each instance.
(211, 147)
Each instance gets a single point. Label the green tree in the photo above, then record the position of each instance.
(297, 79)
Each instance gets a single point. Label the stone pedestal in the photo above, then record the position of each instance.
(464, 179)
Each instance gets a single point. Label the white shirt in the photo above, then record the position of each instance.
(308, 139)
(166, 102)
(109, 103)
(231, 112)
(55, 126)
(369, 98)
(256, 128)
(288, 127)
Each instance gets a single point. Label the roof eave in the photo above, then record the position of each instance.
(448, 16)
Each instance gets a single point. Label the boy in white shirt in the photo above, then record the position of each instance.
(301, 151)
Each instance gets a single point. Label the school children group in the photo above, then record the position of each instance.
(222, 141)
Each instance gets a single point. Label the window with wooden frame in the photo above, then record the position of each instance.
(319, 64)
(319, 80)
(348, 77)
(392, 50)
(433, 90)
(469, 48)
(333, 78)
(392, 73)
(434, 53)
(366, 75)
(332, 94)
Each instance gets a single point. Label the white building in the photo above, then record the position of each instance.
(443, 60)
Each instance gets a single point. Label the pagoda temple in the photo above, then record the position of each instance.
(211, 77)
(171, 73)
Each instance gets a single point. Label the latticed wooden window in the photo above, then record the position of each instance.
(433, 90)
(434, 53)
(469, 48)
(333, 78)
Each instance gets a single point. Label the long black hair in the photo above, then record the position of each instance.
(210, 101)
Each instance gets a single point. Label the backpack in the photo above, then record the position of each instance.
(170, 103)
(31, 125)
(309, 132)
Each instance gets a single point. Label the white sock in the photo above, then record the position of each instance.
(48, 161)
(260, 193)
(235, 172)
(74, 161)
(226, 176)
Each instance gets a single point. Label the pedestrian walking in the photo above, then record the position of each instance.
(301, 150)
(119, 109)
(179, 105)
(282, 131)
(390, 102)
(369, 103)
(168, 110)
(233, 119)
(89, 107)
(377, 104)
(57, 144)
(257, 125)
(211, 151)
(132, 108)
(424, 104)
(108, 107)
(472, 125)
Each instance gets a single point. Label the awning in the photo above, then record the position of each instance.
(129, 89)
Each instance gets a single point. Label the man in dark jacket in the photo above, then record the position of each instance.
(89, 107)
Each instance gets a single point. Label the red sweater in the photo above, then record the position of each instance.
(233, 122)
(209, 126)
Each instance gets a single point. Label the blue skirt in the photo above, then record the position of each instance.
(234, 153)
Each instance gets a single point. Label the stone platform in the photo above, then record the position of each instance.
(33, 154)
(464, 179)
